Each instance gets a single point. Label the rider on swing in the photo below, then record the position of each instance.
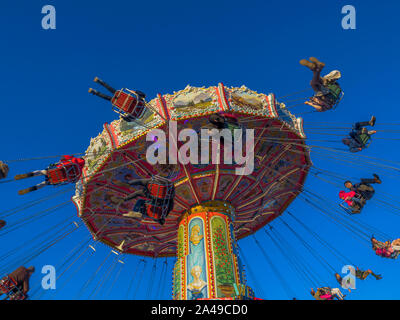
(359, 274)
(386, 249)
(130, 104)
(354, 202)
(326, 293)
(67, 170)
(225, 121)
(359, 193)
(360, 136)
(3, 170)
(16, 284)
(327, 90)
(157, 201)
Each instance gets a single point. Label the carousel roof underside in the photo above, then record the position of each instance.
(118, 154)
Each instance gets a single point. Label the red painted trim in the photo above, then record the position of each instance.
(112, 135)
(222, 98)
(162, 107)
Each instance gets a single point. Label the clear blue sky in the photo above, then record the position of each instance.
(160, 47)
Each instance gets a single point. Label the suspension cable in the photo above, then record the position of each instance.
(282, 280)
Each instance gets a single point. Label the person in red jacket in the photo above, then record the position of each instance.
(16, 284)
(356, 203)
(327, 293)
(67, 170)
(388, 249)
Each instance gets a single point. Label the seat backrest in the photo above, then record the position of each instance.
(57, 175)
(334, 89)
(364, 138)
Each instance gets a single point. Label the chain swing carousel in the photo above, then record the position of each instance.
(213, 206)
(118, 196)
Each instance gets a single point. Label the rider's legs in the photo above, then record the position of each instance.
(138, 193)
(139, 182)
(99, 94)
(316, 82)
(105, 85)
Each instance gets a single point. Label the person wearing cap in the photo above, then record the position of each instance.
(327, 91)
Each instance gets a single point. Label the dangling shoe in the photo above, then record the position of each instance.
(346, 141)
(308, 64)
(318, 63)
(377, 179)
(372, 121)
(24, 176)
(27, 190)
(133, 214)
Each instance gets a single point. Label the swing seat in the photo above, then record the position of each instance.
(328, 101)
(128, 104)
(395, 255)
(158, 209)
(160, 188)
(6, 285)
(67, 172)
(365, 139)
(160, 191)
(350, 209)
(155, 212)
(9, 287)
(334, 94)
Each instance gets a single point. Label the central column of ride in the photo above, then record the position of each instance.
(208, 265)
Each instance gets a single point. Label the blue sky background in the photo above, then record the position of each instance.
(160, 47)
